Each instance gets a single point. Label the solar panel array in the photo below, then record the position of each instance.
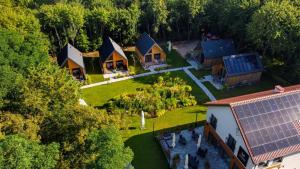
(269, 124)
(243, 63)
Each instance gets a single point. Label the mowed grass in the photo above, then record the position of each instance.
(175, 60)
(266, 83)
(200, 73)
(147, 151)
(93, 70)
(99, 95)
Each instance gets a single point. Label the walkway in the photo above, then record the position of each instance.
(198, 82)
(135, 76)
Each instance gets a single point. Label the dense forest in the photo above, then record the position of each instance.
(41, 123)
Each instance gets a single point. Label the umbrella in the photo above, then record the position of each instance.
(199, 141)
(173, 140)
(186, 162)
(142, 120)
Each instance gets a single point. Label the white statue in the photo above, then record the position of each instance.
(142, 120)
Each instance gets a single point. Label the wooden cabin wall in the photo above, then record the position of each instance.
(208, 62)
(116, 57)
(247, 78)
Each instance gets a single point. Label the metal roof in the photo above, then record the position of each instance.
(144, 43)
(218, 48)
(108, 47)
(242, 64)
(70, 52)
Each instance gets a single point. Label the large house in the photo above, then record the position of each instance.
(149, 52)
(238, 69)
(257, 131)
(112, 57)
(212, 51)
(72, 59)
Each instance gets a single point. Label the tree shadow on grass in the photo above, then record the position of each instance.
(147, 151)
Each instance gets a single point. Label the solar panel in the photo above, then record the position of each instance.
(242, 63)
(269, 124)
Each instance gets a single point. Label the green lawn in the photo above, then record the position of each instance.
(266, 83)
(175, 60)
(147, 151)
(99, 95)
(200, 73)
(93, 70)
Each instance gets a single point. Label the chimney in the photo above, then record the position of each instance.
(278, 89)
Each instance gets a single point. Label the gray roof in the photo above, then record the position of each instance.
(218, 48)
(108, 47)
(70, 52)
(145, 43)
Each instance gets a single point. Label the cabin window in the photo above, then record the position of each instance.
(231, 142)
(213, 121)
(243, 156)
(109, 65)
(148, 58)
(157, 56)
(120, 64)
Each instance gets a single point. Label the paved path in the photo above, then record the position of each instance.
(135, 76)
(198, 82)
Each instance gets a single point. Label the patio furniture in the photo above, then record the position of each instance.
(182, 140)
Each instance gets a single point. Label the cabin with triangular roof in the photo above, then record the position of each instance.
(238, 69)
(112, 57)
(72, 59)
(149, 52)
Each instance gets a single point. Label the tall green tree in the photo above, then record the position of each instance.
(17, 152)
(107, 150)
(62, 22)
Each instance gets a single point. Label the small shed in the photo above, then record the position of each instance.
(112, 57)
(72, 59)
(212, 51)
(239, 69)
(149, 52)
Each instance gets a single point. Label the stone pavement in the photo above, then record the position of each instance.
(198, 82)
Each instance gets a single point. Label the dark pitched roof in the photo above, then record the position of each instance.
(242, 64)
(144, 43)
(218, 48)
(70, 52)
(269, 122)
(108, 47)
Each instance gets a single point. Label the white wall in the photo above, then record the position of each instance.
(227, 125)
(291, 161)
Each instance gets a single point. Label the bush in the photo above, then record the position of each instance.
(165, 94)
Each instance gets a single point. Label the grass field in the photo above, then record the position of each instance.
(99, 95)
(200, 73)
(147, 152)
(266, 83)
(93, 70)
(175, 60)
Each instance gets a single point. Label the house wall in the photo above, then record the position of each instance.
(115, 57)
(291, 161)
(247, 78)
(72, 65)
(208, 62)
(227, 125)
(155, 50)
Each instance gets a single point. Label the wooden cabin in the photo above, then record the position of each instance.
(149, 52)
(112, 57)
(238, 69)
(212, 51)
(71, 58)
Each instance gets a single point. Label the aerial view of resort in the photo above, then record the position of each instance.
(149, 84)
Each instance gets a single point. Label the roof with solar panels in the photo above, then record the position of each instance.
(268, 121)
(240, 64)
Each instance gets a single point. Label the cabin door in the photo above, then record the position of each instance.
(148, 58)
(109, 65)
